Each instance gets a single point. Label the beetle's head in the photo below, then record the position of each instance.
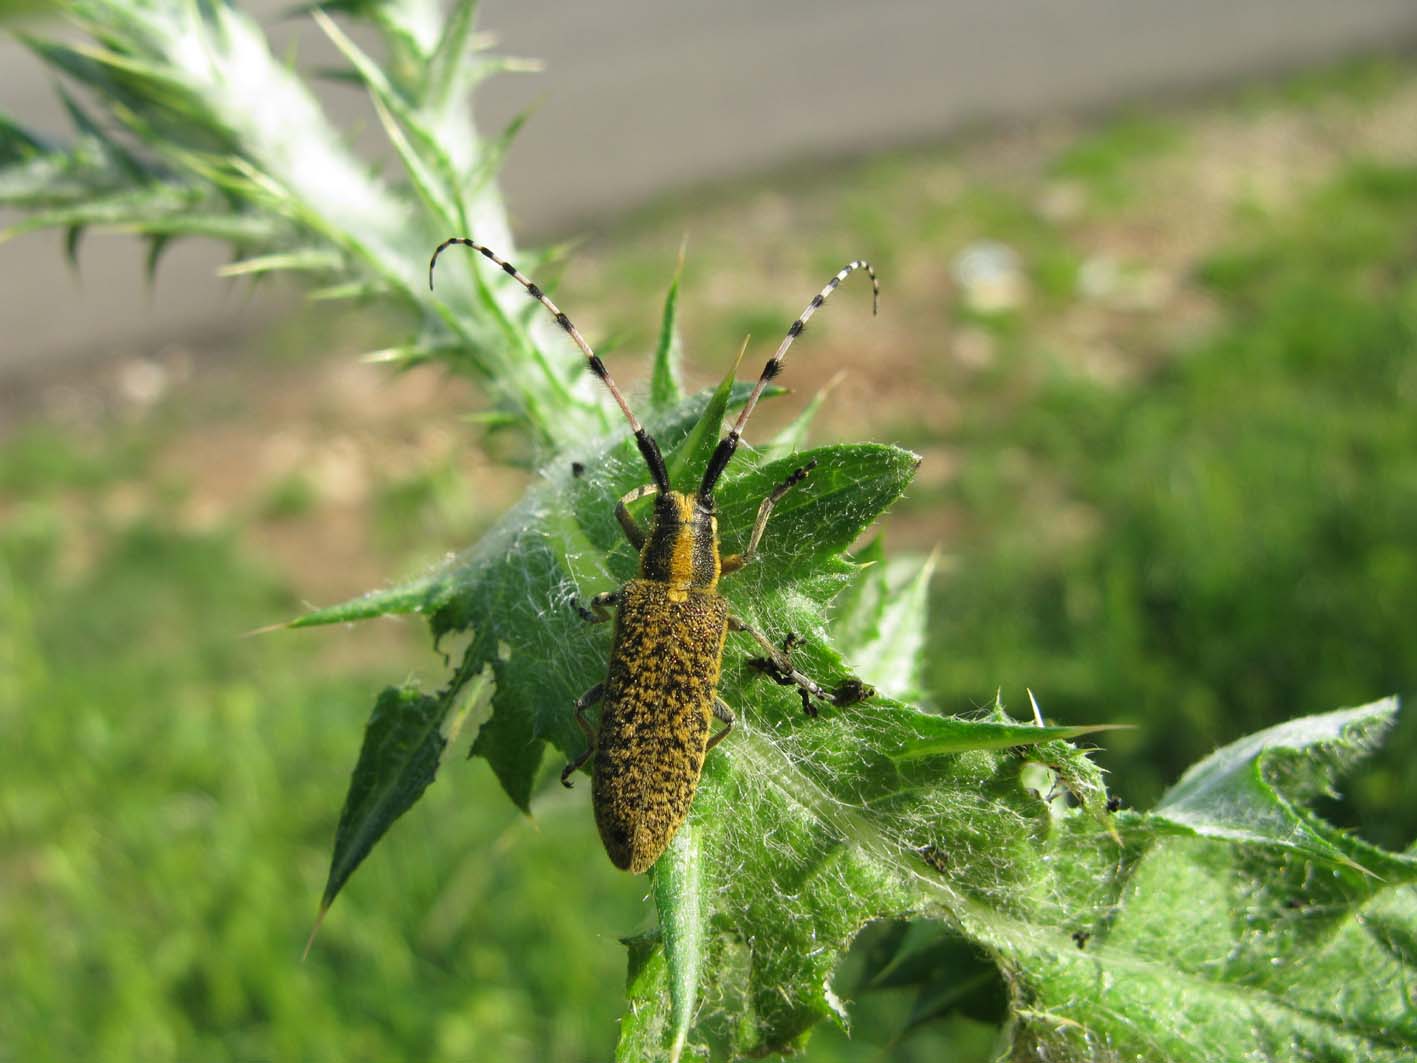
(682, 546)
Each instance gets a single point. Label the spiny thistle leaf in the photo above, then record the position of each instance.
(1226, 938)
(882, 618)
(783, 789)
(446, 78)
(644, 1026)
(1252, 791)
(403, 743)
(665, 387)
(195, 128)
(18, 143)
(312, 259)
(690, 458)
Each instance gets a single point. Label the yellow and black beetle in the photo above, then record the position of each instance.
(670, 626)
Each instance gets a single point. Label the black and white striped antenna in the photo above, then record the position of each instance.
(648, 447)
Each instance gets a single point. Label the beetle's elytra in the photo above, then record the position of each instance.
(660, 694)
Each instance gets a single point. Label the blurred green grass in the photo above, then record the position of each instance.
(1254, 510)
(1220, 536)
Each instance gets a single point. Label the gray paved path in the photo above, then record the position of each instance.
(642, 96)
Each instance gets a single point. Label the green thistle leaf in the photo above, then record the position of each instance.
(882, 617)
(403, 743)
(1233, 924)
(665, 388)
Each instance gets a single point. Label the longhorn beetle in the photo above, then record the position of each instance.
(671, 625)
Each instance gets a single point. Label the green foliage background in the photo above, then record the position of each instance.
(1257, 502)
(170, 789)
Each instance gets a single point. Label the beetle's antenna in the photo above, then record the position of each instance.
(729, 443)
(649, 449)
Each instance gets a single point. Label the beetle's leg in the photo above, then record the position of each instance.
(586, 700)
(633, 531)
(721, 711)
(777, 665)
(733, 562)
(599, 611)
